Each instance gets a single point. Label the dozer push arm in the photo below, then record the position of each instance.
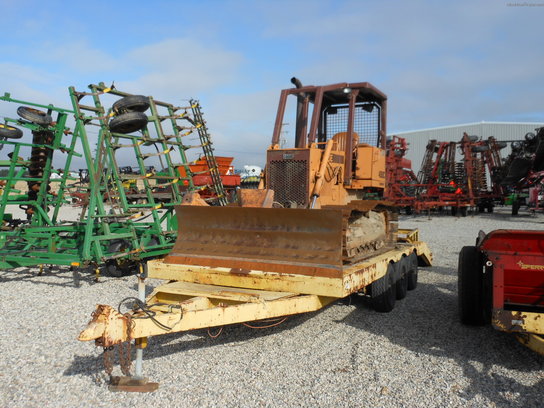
(319, 175)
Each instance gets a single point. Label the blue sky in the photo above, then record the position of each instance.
(440, 63)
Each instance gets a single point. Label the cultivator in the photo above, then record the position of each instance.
(481, 163)
(443, 180)
(400, 178)
(126, 217)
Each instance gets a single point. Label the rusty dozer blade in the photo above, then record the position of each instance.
(284, 240)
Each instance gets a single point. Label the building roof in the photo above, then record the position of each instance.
(468, 124)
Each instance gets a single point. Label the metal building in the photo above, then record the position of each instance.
(506, 131)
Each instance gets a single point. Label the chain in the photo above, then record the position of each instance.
(108, 360)
(125, 358)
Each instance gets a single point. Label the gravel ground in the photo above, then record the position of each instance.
(346, 355)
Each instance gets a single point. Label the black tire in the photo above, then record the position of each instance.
(474, 309)
(463, 211)
(382, 292)
(412, 271)
(516, 204)
(409, 210)
(118, 269)
(538, 162)
(113, 270)
(453, 211)
(490, 208)
(401, 285)
(132, 103)
(10, 132)
(34, 115)
(128, 122)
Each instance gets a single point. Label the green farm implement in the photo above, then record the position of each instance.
(126, 216)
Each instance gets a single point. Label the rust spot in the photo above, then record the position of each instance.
(509, 321)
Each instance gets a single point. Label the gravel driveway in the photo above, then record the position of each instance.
(346, 355)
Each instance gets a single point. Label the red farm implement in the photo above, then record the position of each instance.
(202, 177)
(501, 281)
(400, 178)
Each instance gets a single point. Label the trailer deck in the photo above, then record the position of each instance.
(199, 297)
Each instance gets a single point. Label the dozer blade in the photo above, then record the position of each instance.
(284, 240)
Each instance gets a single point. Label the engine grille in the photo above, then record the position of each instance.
(289, 180)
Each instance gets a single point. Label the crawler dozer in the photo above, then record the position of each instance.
(324, 192)
(315, 231)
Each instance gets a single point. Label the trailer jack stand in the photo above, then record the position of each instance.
(136, 383)
(132, 384)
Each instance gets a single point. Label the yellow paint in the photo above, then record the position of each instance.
(141, 342)
(519, 322)
(531, 267)
(354, 277)
(221, 314)
(533, 341)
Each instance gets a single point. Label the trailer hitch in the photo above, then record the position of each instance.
(108, 328)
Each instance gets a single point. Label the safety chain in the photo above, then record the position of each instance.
(125, 350)
(125, 358)
(108, 360)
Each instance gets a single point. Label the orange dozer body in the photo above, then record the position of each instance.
(324, 192)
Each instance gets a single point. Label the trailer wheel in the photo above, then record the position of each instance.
(401, 285)
(34, 115)
(409, 210)
(128, 122)
(453, 211)
(131, 103)
(412, 272)
(473, 308)
(382, 291)
(10, 132)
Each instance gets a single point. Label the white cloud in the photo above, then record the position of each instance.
(182, 68)
(78, 56)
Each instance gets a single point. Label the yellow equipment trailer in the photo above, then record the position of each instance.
(196, 297)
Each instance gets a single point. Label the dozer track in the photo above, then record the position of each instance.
(369, 228)
(315, 242)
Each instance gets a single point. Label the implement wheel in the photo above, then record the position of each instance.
(118, 269)
(34, 115)
(516, 204)
(128, 122)
(132, 103)
(473, 305)
(10, 132)
(382, 291)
